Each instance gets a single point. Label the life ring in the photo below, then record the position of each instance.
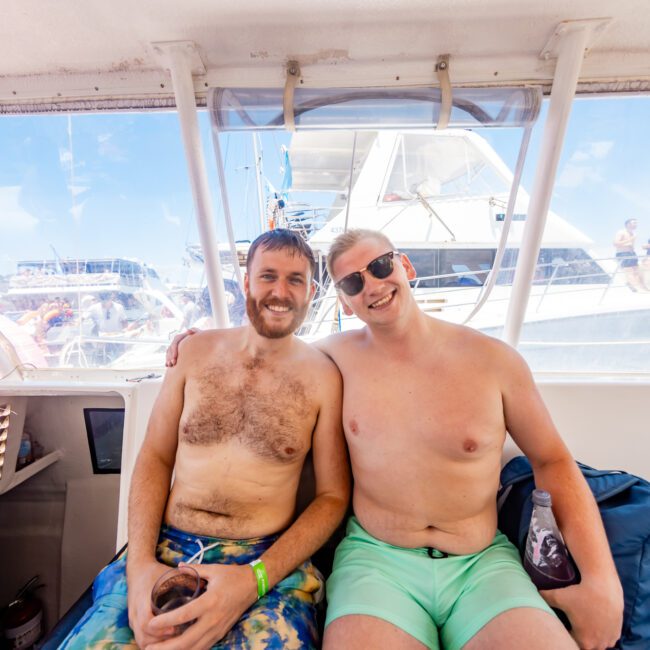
(53, 313)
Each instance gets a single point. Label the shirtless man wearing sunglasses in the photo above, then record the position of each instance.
(426, 407)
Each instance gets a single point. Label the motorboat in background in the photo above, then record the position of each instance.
(441, 198)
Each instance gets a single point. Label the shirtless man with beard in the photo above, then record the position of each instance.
(426, 408)
(233, 422)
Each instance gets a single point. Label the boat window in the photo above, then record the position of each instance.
(98, 207)
(442, 201)
(590, 308)
(432, 166)
(451, 267)
(97, 219)
(394, 107)
(425, 262)
(105, 431)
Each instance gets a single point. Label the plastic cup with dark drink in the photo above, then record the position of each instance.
(176, 588)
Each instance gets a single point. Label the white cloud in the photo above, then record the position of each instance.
(579, 156)
(65, 157)
(77, 211)
(170, 218)
(577, 175)
(13, 217)
(582, 166)
(600, 150)
(592, 151)
(109, 149)
(637, 199)
(76, 190)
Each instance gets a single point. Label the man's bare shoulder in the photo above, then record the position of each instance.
(335, 343)
(318, 359)
(470, 343)
(204, 344)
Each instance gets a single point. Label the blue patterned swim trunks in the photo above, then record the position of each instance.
(284, 619)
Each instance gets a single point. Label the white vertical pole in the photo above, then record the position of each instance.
(260, 186)
(179, 66)
(572, 49)
(226, 206)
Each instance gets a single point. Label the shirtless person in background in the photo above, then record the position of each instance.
(426, 408)
(624, 242)
(234, 421)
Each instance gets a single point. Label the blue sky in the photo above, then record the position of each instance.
(116, 185)
(603, 168)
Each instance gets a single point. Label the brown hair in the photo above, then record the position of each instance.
(350, 238)
(283, 239)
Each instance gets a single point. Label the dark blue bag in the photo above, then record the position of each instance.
(624, 503)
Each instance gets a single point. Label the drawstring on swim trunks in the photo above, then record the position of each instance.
(201, 551)
(435, 554)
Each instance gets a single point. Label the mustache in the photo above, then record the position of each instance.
(278, 303)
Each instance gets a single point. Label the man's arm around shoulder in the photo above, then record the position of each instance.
(595, 606)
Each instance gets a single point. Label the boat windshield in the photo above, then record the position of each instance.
(441, 167)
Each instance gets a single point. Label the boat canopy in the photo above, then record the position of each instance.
(260, 109)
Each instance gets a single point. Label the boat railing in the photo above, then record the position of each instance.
(96, 351)
(304, 220)
(47, 281)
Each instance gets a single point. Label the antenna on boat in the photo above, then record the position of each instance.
(433, 213)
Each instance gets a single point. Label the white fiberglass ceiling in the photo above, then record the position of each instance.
(95, 48)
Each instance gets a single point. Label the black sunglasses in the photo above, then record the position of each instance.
(381, 267)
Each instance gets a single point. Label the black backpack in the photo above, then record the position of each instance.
(624, 503)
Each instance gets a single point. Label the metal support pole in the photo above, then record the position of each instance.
(221, 172)
(571, 52)
(178, 59)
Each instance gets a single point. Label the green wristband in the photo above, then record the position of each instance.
(262, 578)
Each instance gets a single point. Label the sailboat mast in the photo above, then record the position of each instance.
(258, 179)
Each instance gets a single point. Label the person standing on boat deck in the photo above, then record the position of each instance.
(108, 317)
(624, 242)
(191, 311)
(426, 407)
(233, 422)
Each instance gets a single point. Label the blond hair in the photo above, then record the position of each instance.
(350, 238)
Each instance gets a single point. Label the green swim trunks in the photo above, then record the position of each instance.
(438, 600)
